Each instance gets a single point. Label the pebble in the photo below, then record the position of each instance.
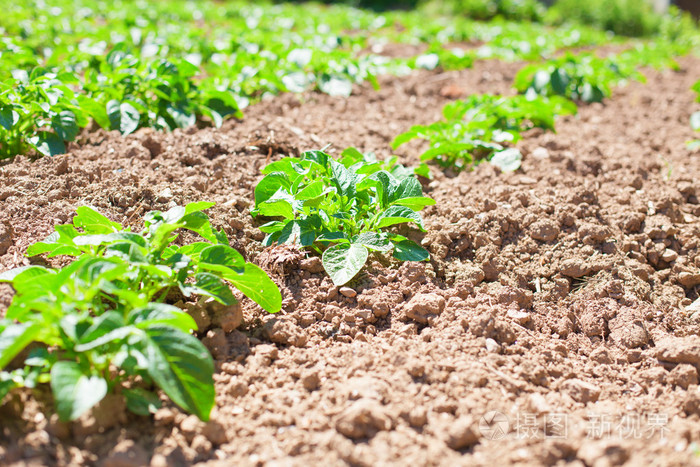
(581, 391)
(424, 305)
(679, 350)
(669, 255)
(348, 292)
(311, 381)
(462, 434)
(492, 346)
(363, 419)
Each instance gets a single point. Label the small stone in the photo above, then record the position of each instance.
(191, 426)
(215, 432)
(201, 444)
(519, 316)
(164, 196)
(164, 416)
(691, 403)
(544, 230)
(601, 355)
(492, 346)
(227, 317)
(689, 279)
(311, 381)
(683, 375)
(424, 305)
(581, 391)
(574, 268)
(364, 418)
(348, 292)
(313, 265)
(285, 331)
(540, 153)
(679, 350)
(669, 255)
(418, 417)
(416, 368)
(216, 342)
(266, 352)
(462, 434)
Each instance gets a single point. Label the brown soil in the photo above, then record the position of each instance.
(560, 292)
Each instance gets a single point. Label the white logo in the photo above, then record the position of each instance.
(494, 425)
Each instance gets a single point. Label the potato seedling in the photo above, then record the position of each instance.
(341, 208)
(480, 128)
(584, 78)
(101, 323)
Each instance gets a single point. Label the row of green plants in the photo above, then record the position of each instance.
(630, 18)
(136, 63)
(104, 323)
(486, 127)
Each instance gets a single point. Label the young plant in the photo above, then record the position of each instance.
(39, 111)
(341, 208)
(480, 127)
(584, 77)
(101, 324)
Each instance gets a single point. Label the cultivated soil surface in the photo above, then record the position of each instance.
(559, 296)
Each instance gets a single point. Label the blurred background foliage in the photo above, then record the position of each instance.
(634, 18)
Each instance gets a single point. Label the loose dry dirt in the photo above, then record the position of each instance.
(558, 296)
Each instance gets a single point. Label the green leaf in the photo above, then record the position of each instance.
(269, 185)
(6, 384)
(311, 191)
(65, 125)
(220, 258)
(141, 402)
(182, 367)
(161, 314)
(408, 188)
(299, 231)
(75, 391)
(343, 179)
(27, 271)
(342, 262)
(48, 144)
(398, 215)
(123, 116)
(407, 250)
(695, 121)
(281, 205)
(92, 222)
(373, 241)
(256, 285)
(416, 204)
(560, 82)
(336, 86)
(8, 117)
(209, 285)
(95, 109)
(507, 160)
(14, 338)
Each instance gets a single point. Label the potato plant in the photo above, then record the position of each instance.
(584, 77)
(342, 208)
(101, 324)
(482, 127)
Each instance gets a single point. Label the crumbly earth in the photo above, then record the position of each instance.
(559, 305)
